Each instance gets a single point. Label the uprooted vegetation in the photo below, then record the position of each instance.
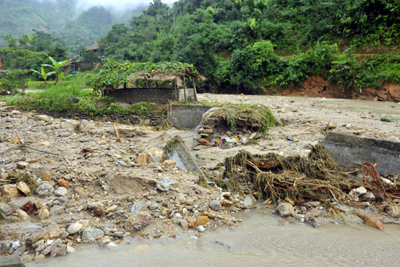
(239, 117)
(302, 179)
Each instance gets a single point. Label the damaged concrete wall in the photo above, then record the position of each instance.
(358, 149)
(158, 95)
(177, 150)
(187, 116)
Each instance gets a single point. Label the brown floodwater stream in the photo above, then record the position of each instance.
(261, 240)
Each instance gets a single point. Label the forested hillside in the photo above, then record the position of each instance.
(72, 26)
(249, 45)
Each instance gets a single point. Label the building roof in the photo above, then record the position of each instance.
(162, 76)
(94, 47)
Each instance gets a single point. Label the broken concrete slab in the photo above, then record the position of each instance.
(187, 116)
(11, 261)
(176, 150)
(358, 149)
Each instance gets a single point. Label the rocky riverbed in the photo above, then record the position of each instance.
(66, 182)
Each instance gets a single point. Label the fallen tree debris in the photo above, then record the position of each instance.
(316, 177)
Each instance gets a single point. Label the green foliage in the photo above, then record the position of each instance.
(57, 68)
(44, 75)
(385, 119)
(10, 81)
(114, 74)
(240, 46)
(56, 99)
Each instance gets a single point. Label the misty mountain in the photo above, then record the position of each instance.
(67, 20)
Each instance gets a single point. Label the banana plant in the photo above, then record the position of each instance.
(44, 75)
(56, 67)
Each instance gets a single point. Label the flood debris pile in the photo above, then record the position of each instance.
(314, 179)
(66, 182)
(234, 124)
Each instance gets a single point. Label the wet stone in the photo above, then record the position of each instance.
(285, 210)
(74, 228)
(91, 233)
(215, 205)
(6, 209)
(61, 191)
(44, 189)
(136, 207)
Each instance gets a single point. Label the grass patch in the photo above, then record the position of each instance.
(56, 99)
(385, 119)
(81, 79)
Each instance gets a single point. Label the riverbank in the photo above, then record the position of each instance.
(95, 186)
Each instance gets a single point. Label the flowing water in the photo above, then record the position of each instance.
(261, 240)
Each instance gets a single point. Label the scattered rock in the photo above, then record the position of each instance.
(142, 158)
(52, 246)
(61, 250)
(24, 188)
(226, 203)
(6, 209)
(138, 222)
(165, 184)
(53, 230)
(392, 210)
(192, 222)
(184, 224)
(39, 257)
(285, 210)
(215, 205)
(44, 118)
(157, 154)
(169, 162)
(44, 189)
(22, 214)
(10, 192)
(63, 183)
(153, 206)
(371, 220)
(201, 220)
(74, 228)
(44, 214)
(201, 228)
(22, 165)
(357, 192)
(45, 143)
(312, 204)
(247, 202)
(56, 209)
(138, 206)
(98, 211)
(65, 134)
(46, 177)
(369, 196)
(61, 191)
(70, 249)
(91, 233)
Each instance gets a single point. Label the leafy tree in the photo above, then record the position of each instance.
(44, 75)
(56, 67)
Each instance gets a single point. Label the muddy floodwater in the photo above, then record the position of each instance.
(262, 240)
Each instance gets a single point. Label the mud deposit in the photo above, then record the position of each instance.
(262, 240)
